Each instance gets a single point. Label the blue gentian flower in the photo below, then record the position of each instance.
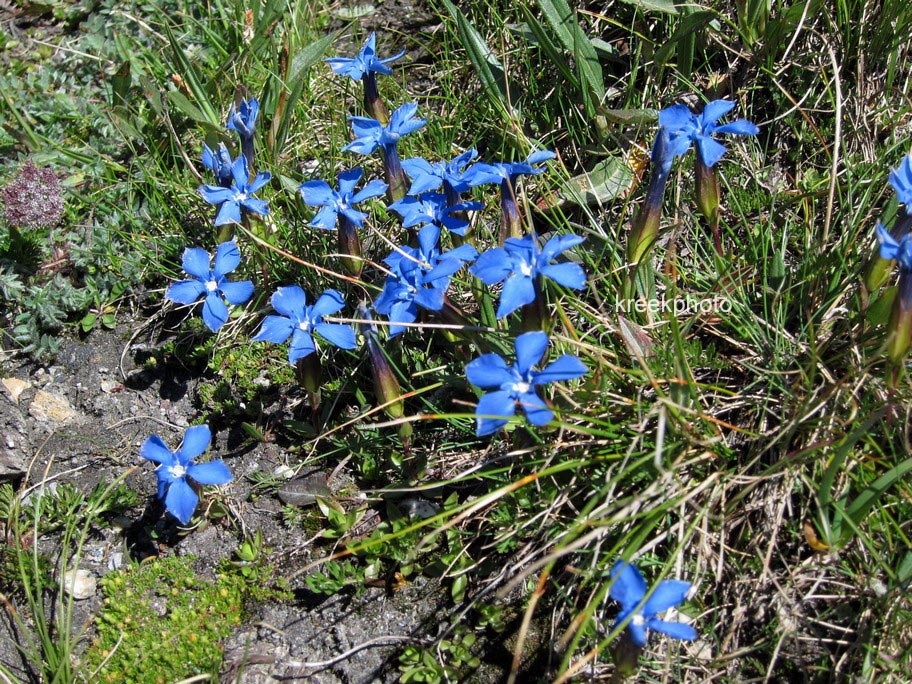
(371, 134)
(219, 162)
(239, 196)
(242, 119)
(211, 283)
(419, 277)
(519, 264)
(319, 194)
(506, 174)
(685, 127)
(890, 248)
(427, 176)
(174, 470)
(432, 207)
(365, 62)
(901, 180)
(516, 384)
(300, 321)
(629, 589)
(364, 67)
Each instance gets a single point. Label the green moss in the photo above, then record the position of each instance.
(162, 623)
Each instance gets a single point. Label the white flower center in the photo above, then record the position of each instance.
(638, 620)
(304, 325)
(177, 471)
(525, 269)
(240, 197)
(521, 387)
(211, 285)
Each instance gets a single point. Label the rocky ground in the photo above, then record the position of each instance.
(84, 418)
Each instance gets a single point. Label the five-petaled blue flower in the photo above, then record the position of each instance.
(211, 283)
(432, 207)
(890, 248)
(516, 384)
(242, 119)
(519, 263)
(684, 128)
(629, 589)
(239, 195)
(419, 277)
(300, 321)
(901, 180)
(371, 134)
(319, 194)
(452, 175)
(174, 469)
(365, 62)
(219, 162)
(507, 172)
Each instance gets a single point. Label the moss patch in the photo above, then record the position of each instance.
(162, 623)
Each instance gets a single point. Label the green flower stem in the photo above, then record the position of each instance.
(350, 246)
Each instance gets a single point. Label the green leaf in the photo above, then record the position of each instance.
(485, 62)
(665, 6)
(686, 28)
(863, 503)
(208, 113)
(88, 322)
(608, 180)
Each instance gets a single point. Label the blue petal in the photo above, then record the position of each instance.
(348, 180)
(431, 298)
(317, 193)
(540, 156)
(492, 266)
(215, 194)
(196, 262)
(537, 411)
(739, 127)
(715, 110)
(230, 212)
(227, 258)
(237, 292)
(302, 345)
(530, 348)
(637, 633)
(185, 291)
(373, 189)
(325, 218)
(677, 117)
(566, 367)
(275, 329)
(710, 150)
(518, 290)
(240, 172)
(569, 275)
(212, 473)
(558, 245)
(499, 404)
(677, 630)
(337, 334)
(181, 501)
(290, 301)
(157, 451)
(329, 302)
(889, 247)
(257, 206)
(489, 370)
(196, 441)
(669, 593)
(628, 587)
(215, 313)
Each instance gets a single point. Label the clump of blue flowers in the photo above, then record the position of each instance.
(178, 474)
(237, 201)
(211, 283)
(242, 120)
(515, 385)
